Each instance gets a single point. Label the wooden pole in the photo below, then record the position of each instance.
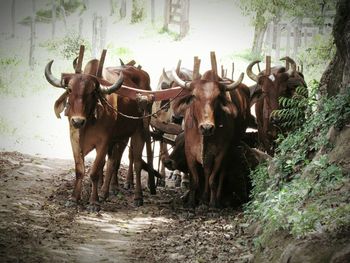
(268, 66)
(214, 66)
(196, 66)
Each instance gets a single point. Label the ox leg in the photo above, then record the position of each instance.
(79, 175)
(137, 143)
(146, 137)
(129, 183)
(97, 167)
(79, 166)
(113, 164)
(194, 184)
(163, 155)
(216, 176)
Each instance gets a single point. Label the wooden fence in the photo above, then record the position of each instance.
(176, 12)
(285, 39)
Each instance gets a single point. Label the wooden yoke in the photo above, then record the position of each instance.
(214, 66)
(196, 66)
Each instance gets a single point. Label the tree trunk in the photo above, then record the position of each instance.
(32, 38)
(53, 21)
(122, 10)
(13, 18)
(152, 11)
(336, 78)
(64, 17)
(138, 13)
(259, 33)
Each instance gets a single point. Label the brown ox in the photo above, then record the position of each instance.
(93, 123)
(210, 126)
(280, 83)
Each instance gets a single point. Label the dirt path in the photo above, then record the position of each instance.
(37, 227)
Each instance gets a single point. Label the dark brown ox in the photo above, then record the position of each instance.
(210, 120)
(94, 124)
(279, 83)
(163, 110)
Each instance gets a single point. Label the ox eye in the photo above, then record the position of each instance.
(190, 99)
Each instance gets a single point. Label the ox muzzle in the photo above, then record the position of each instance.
(78, 122)
(207, 129)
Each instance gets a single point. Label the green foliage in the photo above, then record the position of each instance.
(317, 55)
(66, 47)
(138, 12)
(45, 15)
(292, 112)
(303, 197)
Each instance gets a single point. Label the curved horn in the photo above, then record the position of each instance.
(117, 85)
(178, 67)
(292, 63)
(165, 76)
(122, 63)
(75, 63)
(250, 71)
(50, 78)
(235, 84)
(180, 82)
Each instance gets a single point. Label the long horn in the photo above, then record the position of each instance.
(250, 72)
(75, 63)
(178, 67)
(235, 84)
(165, 77)
(292, 64)
(101, 62)
(180, 82)
(117, 85)
(77, 67)
(50, 78)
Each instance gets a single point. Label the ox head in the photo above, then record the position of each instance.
(83, 89)
(206, 100)
(279, 82)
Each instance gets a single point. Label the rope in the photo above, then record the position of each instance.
(139, 117)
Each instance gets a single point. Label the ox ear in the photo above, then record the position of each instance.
(180, 106)
(99, 110)
(60, 104)
(257, 95)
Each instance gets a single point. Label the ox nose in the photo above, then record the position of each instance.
(207, 129)
(78, 122)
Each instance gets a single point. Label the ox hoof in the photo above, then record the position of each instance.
(128, 186)
(94, 208)
(138, 202)
(160, 182)
(71, 203)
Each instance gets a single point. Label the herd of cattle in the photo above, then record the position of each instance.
(208, 115)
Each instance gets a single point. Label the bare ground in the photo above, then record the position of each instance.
(36, 226)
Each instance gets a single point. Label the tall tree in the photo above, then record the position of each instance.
(53, 21)
(336, 78)
(138, 12)
(13, 18)
(32, 37)
(263, 12)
